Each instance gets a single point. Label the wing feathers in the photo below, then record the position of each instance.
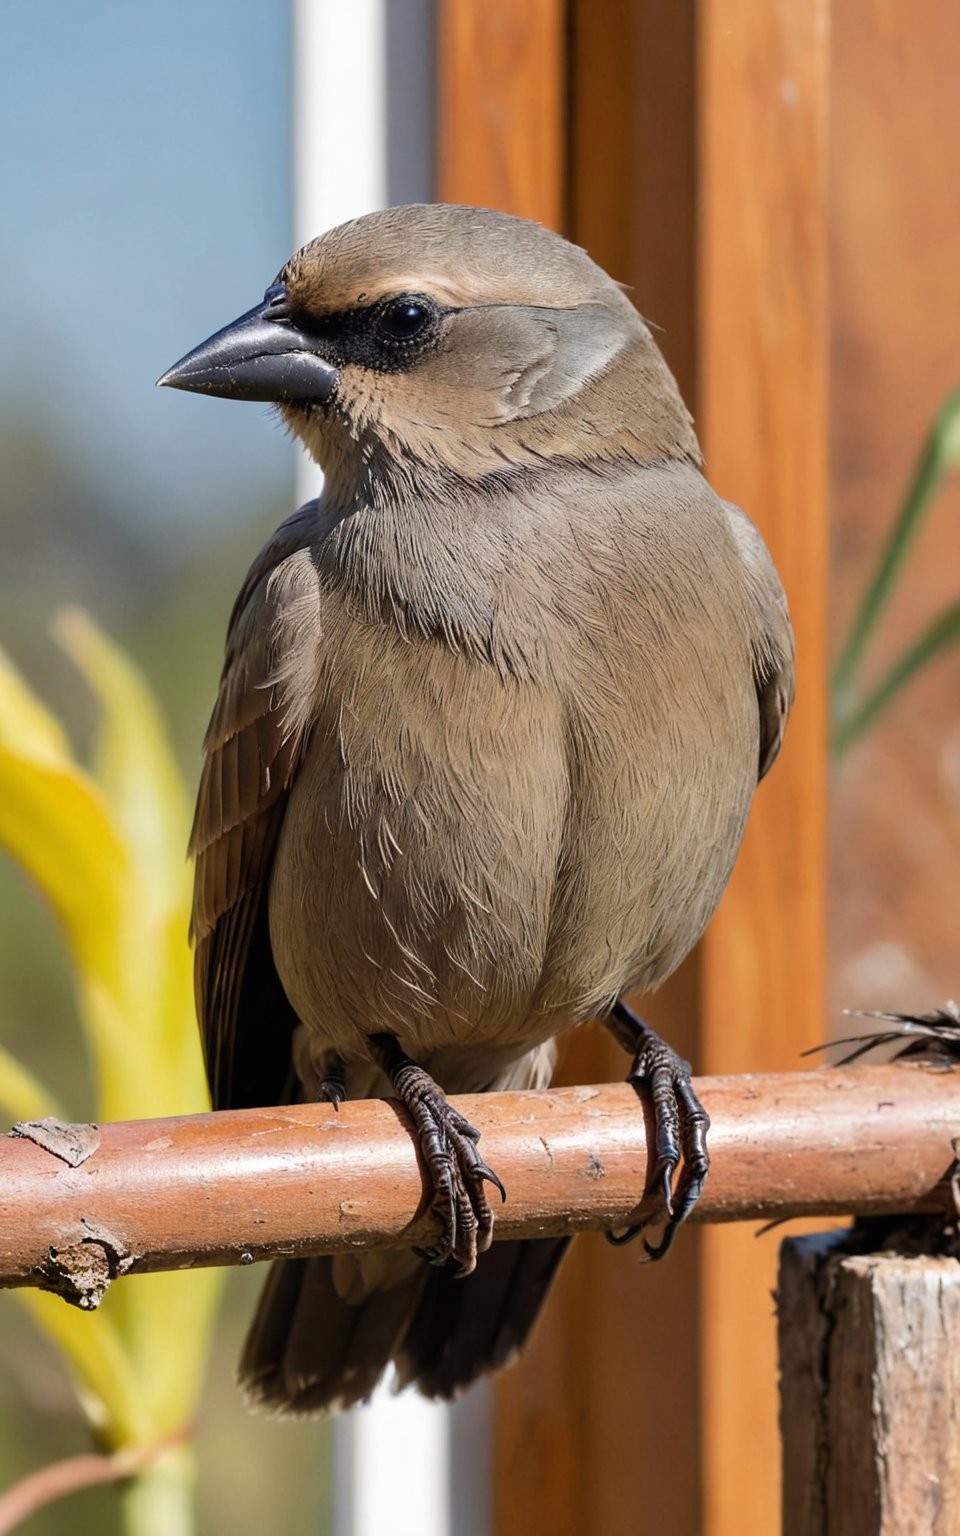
(251, 748)
(774, 668)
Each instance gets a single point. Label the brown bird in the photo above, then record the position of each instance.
(491, 719)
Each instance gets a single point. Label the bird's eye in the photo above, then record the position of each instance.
(404, 319)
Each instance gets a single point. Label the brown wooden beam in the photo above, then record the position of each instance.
(763, 377)
(501, 110)
(503, 142)
(239, 1186)
(595, 1365)
(692, 164)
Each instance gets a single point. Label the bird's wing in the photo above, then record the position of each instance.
(251, 751)
(774, 667)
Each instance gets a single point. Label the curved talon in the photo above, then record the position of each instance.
(333, 1087)
(621, 1239)
(486, 1172)
(666, 1176)
(658, 1251)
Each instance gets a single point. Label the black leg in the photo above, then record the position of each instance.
(448, 1146)
(333, 1087)
(680, 1120)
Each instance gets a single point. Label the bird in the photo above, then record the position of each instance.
(492, 713)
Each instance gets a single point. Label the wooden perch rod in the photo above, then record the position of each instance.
(245, 1185)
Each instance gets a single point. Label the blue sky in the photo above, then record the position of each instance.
(145, 178)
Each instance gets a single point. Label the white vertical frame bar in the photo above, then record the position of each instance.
(341, 170)
(339, 127)
(392, 1468)
(339, 112)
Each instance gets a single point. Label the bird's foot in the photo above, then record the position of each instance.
(680, 1125)
(333, 1086)
(448, 1146)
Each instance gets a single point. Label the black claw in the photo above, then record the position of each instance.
(486, 1172)
(621, 1239)
(657, 1251)
(333, 1087)
(666, 1180)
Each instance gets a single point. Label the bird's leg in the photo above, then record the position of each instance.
(333, 1085)
(448, 1146)
(680, 1120)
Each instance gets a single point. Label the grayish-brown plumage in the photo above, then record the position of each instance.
(491, 719)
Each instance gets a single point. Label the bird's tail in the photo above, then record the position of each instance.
(327, 1329)
(463, 1328)
(311, 1352)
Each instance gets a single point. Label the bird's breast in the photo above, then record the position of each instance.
(414, 875)
(482, 848)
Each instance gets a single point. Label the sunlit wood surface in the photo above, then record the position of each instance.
(257, 1184)
(763, 368)
(501, 88)
(692, 165)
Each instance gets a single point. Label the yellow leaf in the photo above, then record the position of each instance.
(167, 1325)
(134, 765)
(54, 822)
(26, 725)
(108, 852)
(23, 1096)
(113, 1396)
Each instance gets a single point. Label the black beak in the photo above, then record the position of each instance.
(261, 356)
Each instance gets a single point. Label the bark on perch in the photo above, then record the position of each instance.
(247, 1185)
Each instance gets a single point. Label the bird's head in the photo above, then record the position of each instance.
(450, 337)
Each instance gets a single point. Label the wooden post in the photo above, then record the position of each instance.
(763, 374)
(691, 163)
(501, 110)
(870, 1391)
(502, 142)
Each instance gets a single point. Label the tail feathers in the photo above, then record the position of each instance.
(463, 1328)
(326, 1330)
(309, 1352)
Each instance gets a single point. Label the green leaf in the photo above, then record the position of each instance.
(940, 456)
(940, 635)
(56, 825)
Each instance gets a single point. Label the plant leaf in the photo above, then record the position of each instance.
(108, 851)
(113, 1397)
(134, 765)
(23, 1096)
(939, 457)
(940, 635)
(54, 822)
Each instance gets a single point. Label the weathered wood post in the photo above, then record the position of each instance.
(869, 1388)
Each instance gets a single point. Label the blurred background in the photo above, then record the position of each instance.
(147, 178)
(776, 185)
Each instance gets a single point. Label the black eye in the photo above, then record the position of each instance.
(404, 319)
